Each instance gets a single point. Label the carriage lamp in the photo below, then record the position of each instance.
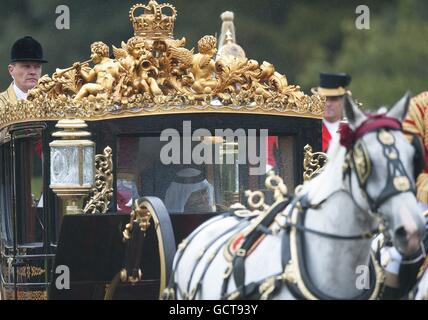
(72, 163)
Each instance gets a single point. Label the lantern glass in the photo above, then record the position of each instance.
(88, 165)
(64, 165)
(72, 164)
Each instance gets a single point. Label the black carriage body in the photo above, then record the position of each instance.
(36, 241)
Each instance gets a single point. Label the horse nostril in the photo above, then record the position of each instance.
(400, 233)
(406, 243)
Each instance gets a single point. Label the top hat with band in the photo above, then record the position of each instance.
(333, 84)
(27, 49)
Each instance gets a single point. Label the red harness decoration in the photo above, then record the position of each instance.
(373, 122)
(236, 243)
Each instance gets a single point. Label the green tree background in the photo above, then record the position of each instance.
(300, 37)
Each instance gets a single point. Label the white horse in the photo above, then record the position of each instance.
(328, 226)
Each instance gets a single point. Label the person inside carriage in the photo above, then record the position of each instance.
(333, 87)
(190, 192)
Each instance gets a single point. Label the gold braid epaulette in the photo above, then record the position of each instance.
(422, 100)
(419, 114)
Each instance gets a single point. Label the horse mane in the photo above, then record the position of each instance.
(330, 179)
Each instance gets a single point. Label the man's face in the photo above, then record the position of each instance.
(25, 73)
(334, 108)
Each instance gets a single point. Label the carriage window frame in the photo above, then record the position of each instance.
(23, 135)
(287, 138)
(6, 227)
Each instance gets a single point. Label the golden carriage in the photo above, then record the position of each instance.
(79, 154)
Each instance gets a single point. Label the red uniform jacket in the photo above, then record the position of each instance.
(326, 138)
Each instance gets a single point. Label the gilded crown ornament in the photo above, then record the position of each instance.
(229, 50)
(153, 73)
(153, 23)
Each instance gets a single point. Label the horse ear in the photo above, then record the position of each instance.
(353, 114)
(399, 110)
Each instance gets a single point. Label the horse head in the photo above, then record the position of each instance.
(381, 164)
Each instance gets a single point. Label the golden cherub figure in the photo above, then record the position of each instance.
(146, 77)
(130, 53)
(128, 56)
(106, 72)
(203, 65)
(137, 60)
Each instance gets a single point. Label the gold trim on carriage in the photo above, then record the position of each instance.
(152, 80)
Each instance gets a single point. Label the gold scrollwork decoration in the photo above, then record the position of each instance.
(140, 215)
(144, 216)
(9, 294)
(313, 163)
(26, 271)
(30, 271)
(102, 192)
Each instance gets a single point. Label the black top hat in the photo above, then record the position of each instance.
(333, 84)
(27, 49)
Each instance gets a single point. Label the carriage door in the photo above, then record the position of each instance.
(24, 259)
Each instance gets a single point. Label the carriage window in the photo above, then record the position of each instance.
(29, 188)
(207, 175)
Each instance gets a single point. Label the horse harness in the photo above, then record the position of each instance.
(398, 180)
(295, 274)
